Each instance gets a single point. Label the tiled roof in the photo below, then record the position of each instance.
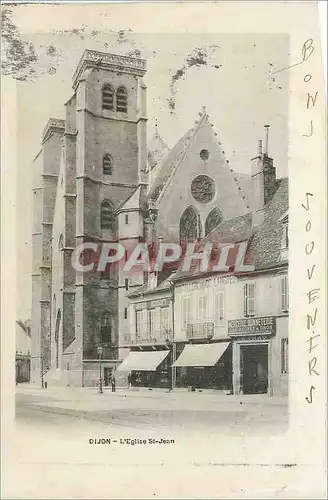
(264, 248)
(165, 285)
(232, 230)
(265, 245)
(264, 241)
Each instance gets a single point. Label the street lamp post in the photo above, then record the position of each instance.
(100, 369)
(174, 346)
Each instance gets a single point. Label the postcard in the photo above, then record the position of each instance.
(164, 250)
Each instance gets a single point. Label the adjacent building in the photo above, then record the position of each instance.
(230, 328)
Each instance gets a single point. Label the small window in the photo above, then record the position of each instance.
(204, 154)
(107, 165)
(126, 282)
(125, 313)
(284, 355)
(249, 299)
(284, 294)
(121, 100)
(108, 97)
(126, 219)
(107, 215)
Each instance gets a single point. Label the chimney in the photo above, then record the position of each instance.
(266, 151)
(264, 179)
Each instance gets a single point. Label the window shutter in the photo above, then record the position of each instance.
(221, 298)
(245, 299)
(254, 299)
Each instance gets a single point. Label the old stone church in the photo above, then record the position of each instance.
(97, 178)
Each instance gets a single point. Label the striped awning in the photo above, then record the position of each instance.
(143, 361)
(201, 354)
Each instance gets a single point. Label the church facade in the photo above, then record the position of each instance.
(96, 179)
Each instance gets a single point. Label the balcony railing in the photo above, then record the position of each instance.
(161, 337)
(200, 331)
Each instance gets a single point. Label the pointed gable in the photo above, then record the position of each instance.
(196, 174)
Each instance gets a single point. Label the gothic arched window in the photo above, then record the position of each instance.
(107, 164)
(108, 97)
(107, 215)
(106, 329)
(213, 220)
(190, 225)
(121, 100)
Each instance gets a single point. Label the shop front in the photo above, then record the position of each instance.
(251, 354)
(205, 366)
(148, 368)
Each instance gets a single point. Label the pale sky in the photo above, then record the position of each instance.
(232, 79)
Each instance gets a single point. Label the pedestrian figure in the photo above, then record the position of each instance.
(129, 380)
(113, 381)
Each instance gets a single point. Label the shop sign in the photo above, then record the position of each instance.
(158, 303)
(211, 282)
(252, 326)
(151, 304)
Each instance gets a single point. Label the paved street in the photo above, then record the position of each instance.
(150, 410)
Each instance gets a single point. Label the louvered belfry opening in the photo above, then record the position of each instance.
(108, 97)
(121, 100)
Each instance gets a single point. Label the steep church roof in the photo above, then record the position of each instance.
(167, 166)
